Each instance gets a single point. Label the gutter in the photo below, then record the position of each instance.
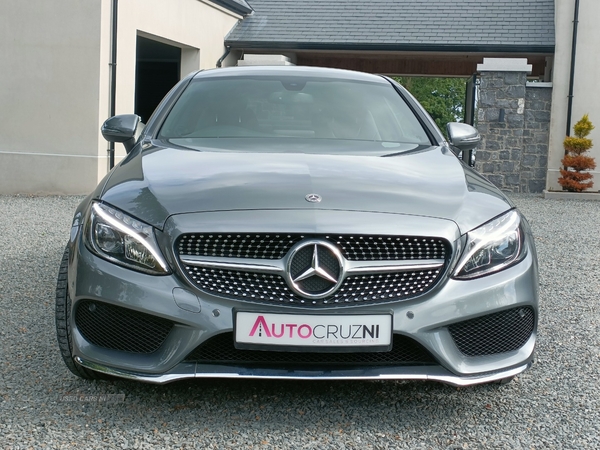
(243, 9)
(222, 58)
(291, 45)
(572, 74)
(113, 77)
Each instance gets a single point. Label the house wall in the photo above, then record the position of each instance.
(586, 98)
(49, 66)
(54, 94)
(197, 27)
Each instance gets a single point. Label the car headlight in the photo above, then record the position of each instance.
(492, 247)
(120, 238)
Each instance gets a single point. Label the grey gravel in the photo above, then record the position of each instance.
(553, 405)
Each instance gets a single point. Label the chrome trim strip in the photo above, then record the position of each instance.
(278, 266)
(188, 370)
(355, 267)
(256, 265)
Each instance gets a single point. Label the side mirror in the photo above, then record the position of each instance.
(463, 136)
(121, 128)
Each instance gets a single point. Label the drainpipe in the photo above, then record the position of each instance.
(113, 77)
(222, 58)
(572, 77)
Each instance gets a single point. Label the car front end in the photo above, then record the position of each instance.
(194, 261)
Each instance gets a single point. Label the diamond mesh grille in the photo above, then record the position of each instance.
(376, 248)
(119, 328)
(500, 332)
(258, 246)
(275, 246)
(271, 288)
(220, 350)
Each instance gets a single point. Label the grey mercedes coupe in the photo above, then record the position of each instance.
(296, 223)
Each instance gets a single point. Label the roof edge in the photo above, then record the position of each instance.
(483, 48)
(234, 6)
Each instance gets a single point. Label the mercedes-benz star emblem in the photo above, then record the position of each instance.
(313, 198)
(315, 268)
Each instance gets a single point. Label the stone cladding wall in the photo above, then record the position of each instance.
(513, 120)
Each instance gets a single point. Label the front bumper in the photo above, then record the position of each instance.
(425, 319)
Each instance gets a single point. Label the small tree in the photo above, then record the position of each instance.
(443, 98)
(575, 175)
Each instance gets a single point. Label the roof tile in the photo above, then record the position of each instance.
(419, 22)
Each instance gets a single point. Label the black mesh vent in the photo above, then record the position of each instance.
(276, 246)
(500, 332)
(119, 328)
(270, 288)
(220, 350)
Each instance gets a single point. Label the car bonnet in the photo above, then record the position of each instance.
(153, 185)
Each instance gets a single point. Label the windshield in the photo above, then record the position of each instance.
(292, 107)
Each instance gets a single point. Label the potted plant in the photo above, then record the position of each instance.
(575, 174)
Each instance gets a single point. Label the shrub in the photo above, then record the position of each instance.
(574, 175)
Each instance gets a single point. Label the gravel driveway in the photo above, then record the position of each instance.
(553, 405)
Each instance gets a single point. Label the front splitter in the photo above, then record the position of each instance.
(186, 371)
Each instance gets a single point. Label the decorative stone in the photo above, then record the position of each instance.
(513, 120)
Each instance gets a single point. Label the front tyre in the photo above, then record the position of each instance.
(505, 381)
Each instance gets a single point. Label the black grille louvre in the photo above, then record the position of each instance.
(120, 328)
(496, 333)
(276, 246)
(271, 288)
(220, 349)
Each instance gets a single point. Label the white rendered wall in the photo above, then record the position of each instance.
(49, 87)
(198, 27)
(54, 80)
(587, 73)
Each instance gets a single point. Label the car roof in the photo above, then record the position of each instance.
(307, 71)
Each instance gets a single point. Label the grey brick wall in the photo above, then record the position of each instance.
(536, 133)
(513, 121)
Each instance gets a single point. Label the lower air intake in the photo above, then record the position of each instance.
(220, 350)
(500, 332)
(119, 328)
